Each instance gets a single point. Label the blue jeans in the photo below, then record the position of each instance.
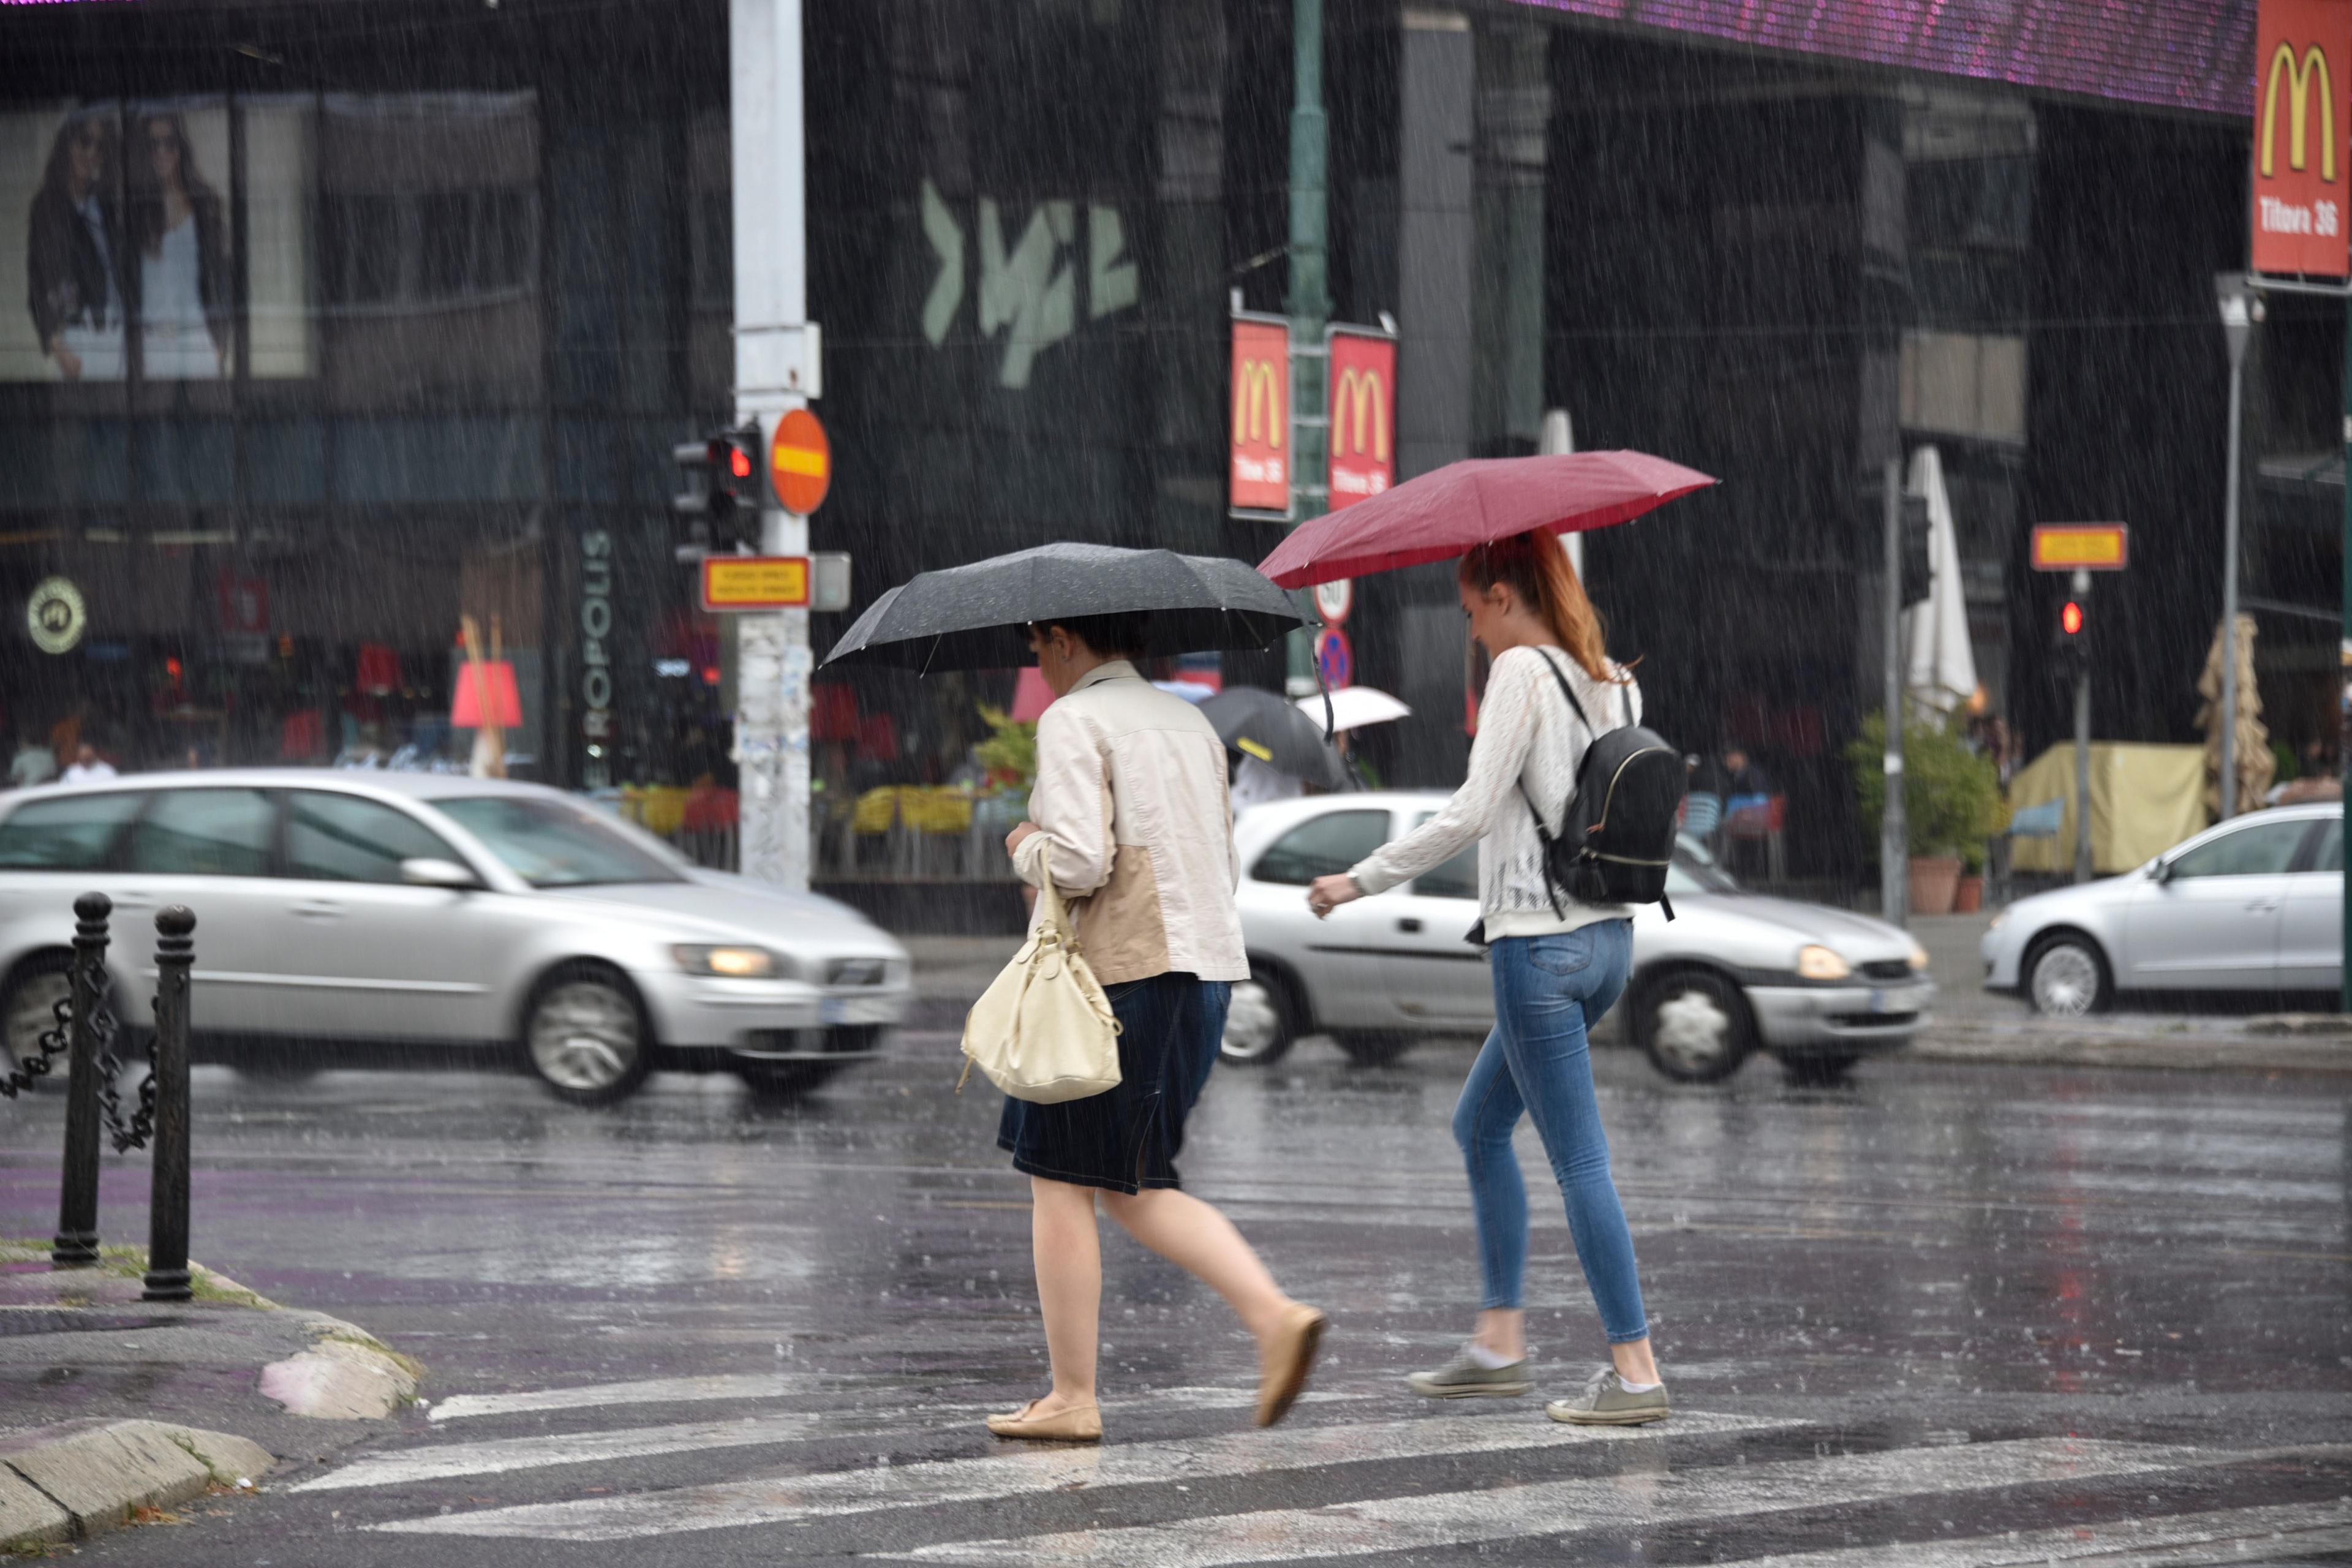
(1537, 1062)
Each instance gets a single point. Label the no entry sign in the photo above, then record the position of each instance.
(800, 462)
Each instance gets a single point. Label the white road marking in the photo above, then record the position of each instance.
(1575, 1506)
(651, 1391)
(2228, 1535)
(779, 1499)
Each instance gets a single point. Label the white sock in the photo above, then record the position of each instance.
(1481, 1357)
(1636, 1387)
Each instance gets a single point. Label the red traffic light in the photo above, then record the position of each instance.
(2070, 619)
(739, 462)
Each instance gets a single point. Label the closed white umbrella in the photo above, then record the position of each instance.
(1353, 706)
(1942, 673)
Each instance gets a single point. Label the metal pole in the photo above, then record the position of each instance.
(1894, 829)
(2239, 313)
(2082, 869)
(775, 370)
(1309, 302)
(167, 1211)
(76, 1244)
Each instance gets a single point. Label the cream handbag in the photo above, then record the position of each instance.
(1043, 1031)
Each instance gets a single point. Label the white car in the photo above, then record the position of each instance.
(1819, 988)
(340, 908)
(2254, 905)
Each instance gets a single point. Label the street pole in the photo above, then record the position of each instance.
(1309, 303)
(2083, 871)
(775, 370)
(2238, 316)
(1894, 830)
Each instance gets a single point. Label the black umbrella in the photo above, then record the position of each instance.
(1271, 729)
(973, 618)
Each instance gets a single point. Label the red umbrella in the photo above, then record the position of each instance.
(1462, 505)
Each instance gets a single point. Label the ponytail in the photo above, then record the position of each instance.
(1537, 568)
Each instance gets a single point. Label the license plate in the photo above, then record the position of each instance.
(833, 1010)
(1894, 1002)
(854, 1010)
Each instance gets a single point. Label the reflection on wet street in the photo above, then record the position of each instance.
(1937, 1305)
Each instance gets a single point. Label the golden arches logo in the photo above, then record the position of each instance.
(1258, 403)
(1360, 392)
(2299, 79)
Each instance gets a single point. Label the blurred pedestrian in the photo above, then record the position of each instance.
(1558, 967)
(1129, 811)
(88, 766)
(33, 763)
(1747, 787)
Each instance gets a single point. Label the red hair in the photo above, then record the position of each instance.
(1536, 568)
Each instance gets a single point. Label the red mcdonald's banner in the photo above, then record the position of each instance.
(1260, 478)
(1364, 414)
(2303, 119)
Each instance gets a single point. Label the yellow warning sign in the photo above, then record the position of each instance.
(739, 583)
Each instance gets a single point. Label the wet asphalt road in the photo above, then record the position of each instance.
(2107, 1311)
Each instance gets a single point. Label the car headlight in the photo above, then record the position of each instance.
(1819, 963)
(1918, 956)
(733, 962)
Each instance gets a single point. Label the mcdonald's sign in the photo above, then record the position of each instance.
(1364, 414)
(2302, 116)
(1260, 472)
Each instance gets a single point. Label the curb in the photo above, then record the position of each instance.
(80, 1478)
(349, 1375)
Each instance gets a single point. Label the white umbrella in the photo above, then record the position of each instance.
(1353, 706)
(1942, 673)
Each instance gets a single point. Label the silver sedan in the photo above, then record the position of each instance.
(1734, 972)
(2254, 905)
(342, 909)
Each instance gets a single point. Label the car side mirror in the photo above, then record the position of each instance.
(433, 872)
(2160, 871)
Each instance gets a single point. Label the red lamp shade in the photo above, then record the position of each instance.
(488, 689)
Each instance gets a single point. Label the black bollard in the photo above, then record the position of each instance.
(167, 1214)
(76, 1244)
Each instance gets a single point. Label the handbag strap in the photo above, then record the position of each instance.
(1049, 898)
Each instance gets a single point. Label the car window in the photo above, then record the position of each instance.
(2258, 849)
(554, 843)
(203, 832)
(1322, 844)
(1457, 879)
(2329, 856)
(1695, 869)
(346, 839)
(74, 833)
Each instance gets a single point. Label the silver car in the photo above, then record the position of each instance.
(1733, 972)
(341, 908)
(2254, 905)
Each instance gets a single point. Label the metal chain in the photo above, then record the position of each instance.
(54, 1042)
(130, 1132)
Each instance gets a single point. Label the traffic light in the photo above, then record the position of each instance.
(1919, 569)
(2070, 642)
(720, 508)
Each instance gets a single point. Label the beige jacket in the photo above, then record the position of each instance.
(1130, 802)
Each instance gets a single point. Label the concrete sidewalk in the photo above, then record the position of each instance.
(113, 1409)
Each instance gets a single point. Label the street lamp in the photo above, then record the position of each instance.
(2241, 308)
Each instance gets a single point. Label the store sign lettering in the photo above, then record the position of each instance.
(595, 660)
(1028, 289)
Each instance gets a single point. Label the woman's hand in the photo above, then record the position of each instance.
(1020, 834)
(1329, 893)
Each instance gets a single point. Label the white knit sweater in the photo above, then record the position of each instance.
(1528, 733)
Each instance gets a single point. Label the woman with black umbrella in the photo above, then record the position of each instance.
(1129, 810)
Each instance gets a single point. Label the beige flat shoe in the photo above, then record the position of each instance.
(1284, 1363)
(1080, 1424)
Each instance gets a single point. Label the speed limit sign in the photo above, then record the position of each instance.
(1334, 599)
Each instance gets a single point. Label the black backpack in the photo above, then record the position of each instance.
(1619, 830)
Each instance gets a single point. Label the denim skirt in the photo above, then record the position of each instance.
(1125, 1139)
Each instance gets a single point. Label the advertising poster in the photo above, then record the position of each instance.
(1260, 482)
(1364, 414)
(2303, 117)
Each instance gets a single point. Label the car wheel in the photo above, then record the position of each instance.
(1692, 1025)
(1373, 1048)
(1817, 1069)
(2066, 976)
(29, 1008)
(585, 1035)
(1261, 1021)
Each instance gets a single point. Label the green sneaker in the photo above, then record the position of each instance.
(1606, 1402)
(1463, 1378)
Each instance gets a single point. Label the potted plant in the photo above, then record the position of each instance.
(1951, 802)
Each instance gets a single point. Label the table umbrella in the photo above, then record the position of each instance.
(1268, 728)
(973, 618)
(1451, 510)
(1353, 706)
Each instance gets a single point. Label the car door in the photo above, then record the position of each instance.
(1336, 957)
(369, 955)
(210, 849)
(2210, 919)
(2311, 932)
(1434, 977)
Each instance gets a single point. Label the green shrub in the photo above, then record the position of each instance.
(1951, 797)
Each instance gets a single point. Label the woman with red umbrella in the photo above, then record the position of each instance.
(1558, 964)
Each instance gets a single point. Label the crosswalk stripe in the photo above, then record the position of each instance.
(498, 1455)
(1575, 1506)
(2227, 1535)
(774, 1500)
(649, 1391)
